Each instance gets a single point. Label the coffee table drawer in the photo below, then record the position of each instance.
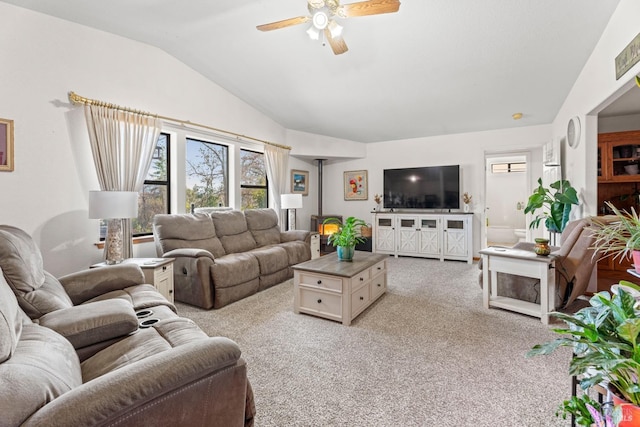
(321, 281)
(378, 286)
(378, 268)
(321, 303)
(360, 278)
(359, 300)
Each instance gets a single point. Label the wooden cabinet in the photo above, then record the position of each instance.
(429, 235)
(619, 157)
(340, 291)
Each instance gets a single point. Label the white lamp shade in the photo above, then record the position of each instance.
(291, 201)
(113, 204)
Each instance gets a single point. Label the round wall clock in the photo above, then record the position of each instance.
(573, 132)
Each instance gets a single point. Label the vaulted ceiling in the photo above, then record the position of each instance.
(434, 67)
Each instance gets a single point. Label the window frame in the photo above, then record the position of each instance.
(228, 167)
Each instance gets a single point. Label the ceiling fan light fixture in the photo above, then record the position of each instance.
(335, 29)
(313, 33)
(320, 20)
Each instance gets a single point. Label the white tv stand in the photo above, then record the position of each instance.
(437, 235)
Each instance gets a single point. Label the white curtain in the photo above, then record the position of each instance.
(122, 144)
(277, 163)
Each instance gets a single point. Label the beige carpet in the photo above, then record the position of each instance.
(426, 354)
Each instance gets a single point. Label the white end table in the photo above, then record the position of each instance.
(519, 262)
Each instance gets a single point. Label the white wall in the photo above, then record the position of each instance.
(595, 88)
(42, 59)
(467, 150)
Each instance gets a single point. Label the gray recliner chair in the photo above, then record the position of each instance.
(91, 308)
(574, 265)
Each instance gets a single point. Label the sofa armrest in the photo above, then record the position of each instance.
(88, 324)
(293, 235)
(87, 284)
(201, 380)
(188, 252)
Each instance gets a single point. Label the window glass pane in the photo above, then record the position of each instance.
(254, 198)
(207, 174)
(158, 168)
(252, 168)
(152, 200)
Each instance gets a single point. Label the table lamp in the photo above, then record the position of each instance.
(113, 206)
(291, 202)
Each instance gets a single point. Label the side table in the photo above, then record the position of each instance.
(521, 263)
(157, 271)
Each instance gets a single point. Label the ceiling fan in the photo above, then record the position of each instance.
(322, 19)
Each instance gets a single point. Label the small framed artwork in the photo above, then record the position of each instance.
(6, 145)
(355, 185)
(300, 182)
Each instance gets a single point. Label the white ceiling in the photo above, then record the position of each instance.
(435, 67)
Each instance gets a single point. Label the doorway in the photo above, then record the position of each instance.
(507, 184)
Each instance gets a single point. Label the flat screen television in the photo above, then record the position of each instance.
(430, 187)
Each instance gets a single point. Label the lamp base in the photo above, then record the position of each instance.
(113, 242)
(291, 220)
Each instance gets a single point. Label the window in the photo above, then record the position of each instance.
(253, 180)
(508, 167)
(154, 197)
(207, 173)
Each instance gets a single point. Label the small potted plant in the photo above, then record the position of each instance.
(466, 199)
(555, 206)
(347, 236)
(618, 237)
(605, 341)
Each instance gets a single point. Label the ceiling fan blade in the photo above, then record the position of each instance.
(337, 43)
(284, 23)
(371, 7)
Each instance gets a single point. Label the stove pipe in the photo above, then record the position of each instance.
(320, 163)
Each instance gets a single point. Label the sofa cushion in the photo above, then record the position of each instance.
(297, 250)
(10, 320)
(164, 335)
(177, 231)
(263, 224)
(231, 228)
(43, 367)
(271, 259)
(233, 269)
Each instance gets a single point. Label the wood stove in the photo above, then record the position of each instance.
(325, 231)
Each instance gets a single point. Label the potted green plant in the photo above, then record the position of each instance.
(346, 237)
(555, 206)
(605, 341)
(618, 237)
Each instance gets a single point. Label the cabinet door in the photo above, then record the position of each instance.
(455, 237)
(619, 157)
(385, 234)
(407, 235)
(429, 235)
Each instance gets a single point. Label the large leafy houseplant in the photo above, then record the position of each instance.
(555, 206)
(604, 340)
(618, 237)
(347, 235)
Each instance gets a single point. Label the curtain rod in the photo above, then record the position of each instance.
(77, 99)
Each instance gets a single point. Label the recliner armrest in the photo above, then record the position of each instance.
(87, 284)
(201, 380)
(188, 252)
(293, 235)
(91, 323)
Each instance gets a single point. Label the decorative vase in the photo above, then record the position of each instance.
(542, 246)
(466, 207)
(345, 253)
(630, 412)
(636, 260)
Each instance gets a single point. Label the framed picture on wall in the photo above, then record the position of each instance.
(300, 182)
(355, 185)
(6, 145)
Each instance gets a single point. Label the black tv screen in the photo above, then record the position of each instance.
(431, 187)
